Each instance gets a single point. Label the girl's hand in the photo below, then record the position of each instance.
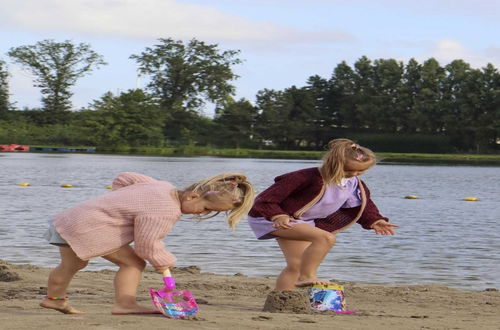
(383, 227)
(162, 269)
(283, 222)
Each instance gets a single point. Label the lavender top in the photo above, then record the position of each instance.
(335, 197)
(345, 195)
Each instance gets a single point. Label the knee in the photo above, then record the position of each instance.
(327, 239)
(81, 265)
(141, 264)
(137, 263)
(293, 266)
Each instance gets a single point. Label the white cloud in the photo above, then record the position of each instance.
(151, 19)
(447, 50)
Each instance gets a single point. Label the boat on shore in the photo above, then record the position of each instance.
(25, 148)
(14, 148)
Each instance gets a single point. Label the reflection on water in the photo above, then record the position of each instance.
(442, 238)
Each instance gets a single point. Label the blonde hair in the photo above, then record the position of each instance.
(340, 152)
(227, 187)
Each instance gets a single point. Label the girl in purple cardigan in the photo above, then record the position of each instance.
(306, 208)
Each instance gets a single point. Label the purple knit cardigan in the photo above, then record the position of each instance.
(295, 192)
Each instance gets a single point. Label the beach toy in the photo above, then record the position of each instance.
(23, 184)
(173, 303)
(471, 199)
(66, 185)
(411, 197)
(328, 298)
(109, 187)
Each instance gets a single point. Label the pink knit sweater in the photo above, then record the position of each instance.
(139, 209)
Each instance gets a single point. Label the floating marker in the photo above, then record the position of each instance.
(23, 184)
(471, 199)
(109, 187)
(66, 185)
(411, 197)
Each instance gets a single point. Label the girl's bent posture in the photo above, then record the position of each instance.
(306, 208)
(139, 209)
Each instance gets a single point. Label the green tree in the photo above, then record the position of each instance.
(408, 96)
(364, 93)
(4, 90)
(326, 114)
(430, 111)
(56, 67)
(487, 123)
(186, 76)
(302, 118)
(387, 85)
(342, 97)
(236, 123)
(130, 119)
(271, 125)
(287, 118)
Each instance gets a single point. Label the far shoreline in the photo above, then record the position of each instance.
(384, 157)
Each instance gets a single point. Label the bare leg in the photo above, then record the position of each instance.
(126, 282)
(292, 250)
(59, 280)
(311, 256)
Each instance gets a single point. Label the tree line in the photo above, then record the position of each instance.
(384, 103)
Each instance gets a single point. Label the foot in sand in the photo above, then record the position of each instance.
(310, 282)
(134, 309)
(60, 306)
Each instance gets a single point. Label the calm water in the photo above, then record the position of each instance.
(442, 238)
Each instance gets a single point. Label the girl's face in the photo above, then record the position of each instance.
(355, 168)
(192, 203)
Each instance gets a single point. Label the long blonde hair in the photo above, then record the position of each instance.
(232, 187)
(340, 152)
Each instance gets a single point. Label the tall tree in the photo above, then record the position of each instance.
(272, 125)
(236, 123)
(56, 67)
(184, 76)
(4, 90)
(325, 111)
(364, 93)
(430, 118)
(342, 98)
(409, 92)
(130, 119)
(387, 80)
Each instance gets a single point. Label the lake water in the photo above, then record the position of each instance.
(442, 239)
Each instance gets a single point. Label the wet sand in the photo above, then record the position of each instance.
(237, 302)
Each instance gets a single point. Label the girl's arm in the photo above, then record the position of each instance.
(129, 178)
(149, 232)
(371, 213)
(267, 202)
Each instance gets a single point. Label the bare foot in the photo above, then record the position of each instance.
(310, 282)
(134, 309)
(60, 306)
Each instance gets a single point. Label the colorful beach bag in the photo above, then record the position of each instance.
(328, 298)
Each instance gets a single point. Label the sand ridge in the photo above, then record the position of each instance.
(238, 302)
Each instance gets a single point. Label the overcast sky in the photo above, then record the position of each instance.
(282, 42)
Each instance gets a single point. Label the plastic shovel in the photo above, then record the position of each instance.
(173, 303)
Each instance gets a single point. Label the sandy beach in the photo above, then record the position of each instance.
(237, 301)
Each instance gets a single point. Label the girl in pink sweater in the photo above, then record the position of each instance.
(142, 210)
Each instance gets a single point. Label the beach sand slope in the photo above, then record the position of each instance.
(236, 302)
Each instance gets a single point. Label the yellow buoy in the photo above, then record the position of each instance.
(471, 199)
(66, 185)
(411, 197)
(109, 187)
(23, 184)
